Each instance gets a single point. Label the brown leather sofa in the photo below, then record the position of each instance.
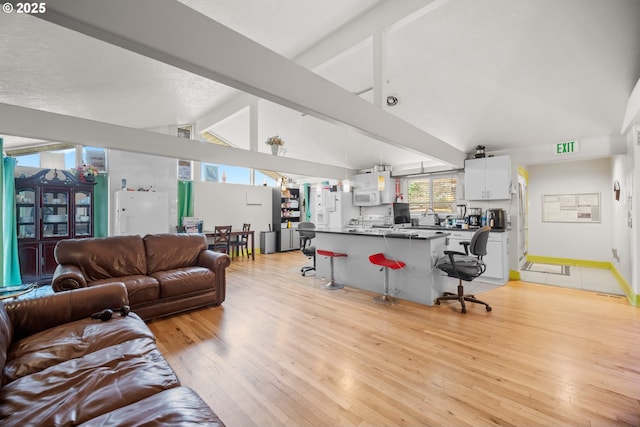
(164, 273)
(60, 367)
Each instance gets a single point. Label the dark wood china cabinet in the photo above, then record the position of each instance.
(51, 205)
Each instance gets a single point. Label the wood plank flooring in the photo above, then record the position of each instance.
(281, 351)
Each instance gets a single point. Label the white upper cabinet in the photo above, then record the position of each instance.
(488, 178)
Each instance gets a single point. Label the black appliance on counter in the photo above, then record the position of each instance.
(474, 221)
(474, 217)
(497, 219)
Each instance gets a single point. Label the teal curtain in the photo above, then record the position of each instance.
(307, 195)
(10, 262)
(185, 200)
(101, 206)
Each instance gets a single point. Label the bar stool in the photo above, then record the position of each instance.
(386, 264)
(332, 285)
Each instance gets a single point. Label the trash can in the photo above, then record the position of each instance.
(267, 242)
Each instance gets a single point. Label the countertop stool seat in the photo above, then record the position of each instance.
(332, 285)
(386, 264)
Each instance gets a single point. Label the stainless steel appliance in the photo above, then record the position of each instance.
(474, 217)
(497, 219)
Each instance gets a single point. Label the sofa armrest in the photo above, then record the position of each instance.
(37, 314)
(216, 262)
(67, 277)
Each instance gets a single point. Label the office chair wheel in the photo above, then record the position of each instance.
(488, 308)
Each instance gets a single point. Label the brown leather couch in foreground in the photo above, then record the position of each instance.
(60, 367)
(164, 273)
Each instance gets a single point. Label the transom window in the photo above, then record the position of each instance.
(436, 192)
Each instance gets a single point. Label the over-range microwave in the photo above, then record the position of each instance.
(366, 198)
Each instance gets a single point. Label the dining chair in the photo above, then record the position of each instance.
(221, 239)
(239, 246)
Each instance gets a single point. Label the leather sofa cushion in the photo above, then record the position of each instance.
(102, 258)
(171, 251)
(69, 341)
(6, 336)
(175, 407)
(78, 390)
(184, 281)
(141, 289)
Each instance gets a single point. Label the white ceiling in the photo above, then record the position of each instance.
(501, 73)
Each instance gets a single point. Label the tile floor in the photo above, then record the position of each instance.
(588, 279)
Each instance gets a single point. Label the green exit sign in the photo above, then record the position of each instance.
(565, 147)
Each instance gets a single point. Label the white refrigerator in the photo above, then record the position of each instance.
(332, 209)
(140, 212)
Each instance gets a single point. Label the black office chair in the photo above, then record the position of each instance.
(465, 267)
(307, 231)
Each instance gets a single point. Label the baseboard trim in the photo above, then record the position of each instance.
(632, 297)
(569, 261)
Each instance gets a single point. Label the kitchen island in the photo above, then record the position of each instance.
(419, 281)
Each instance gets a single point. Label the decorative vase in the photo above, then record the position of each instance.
(274, 149)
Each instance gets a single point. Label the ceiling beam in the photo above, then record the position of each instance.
(379, 18)
(632, 114)
(375, 20)
(30, 123)
(173, 33)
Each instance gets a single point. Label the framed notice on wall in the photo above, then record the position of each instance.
(582, 207)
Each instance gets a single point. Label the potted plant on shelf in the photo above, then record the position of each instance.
(86, 173)
(275, 142)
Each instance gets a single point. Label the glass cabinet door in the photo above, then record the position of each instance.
(83, 213)
(55, 213)
(26, 213)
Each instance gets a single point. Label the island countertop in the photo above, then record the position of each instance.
(402, 233)
(418, 281)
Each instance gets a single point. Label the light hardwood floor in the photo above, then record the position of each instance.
(283, 352)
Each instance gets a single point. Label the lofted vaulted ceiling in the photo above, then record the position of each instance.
(506, 74)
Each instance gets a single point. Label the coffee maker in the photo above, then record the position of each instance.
(474, 217)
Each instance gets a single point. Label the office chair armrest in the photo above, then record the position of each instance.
(451, 255)
(466, 246)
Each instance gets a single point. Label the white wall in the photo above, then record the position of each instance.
(581, 241)
(621, 235)
(633, 147)
(144, 171)
(233, 204)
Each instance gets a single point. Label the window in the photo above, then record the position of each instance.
(436, 192)
(225, 173)
(266, 178)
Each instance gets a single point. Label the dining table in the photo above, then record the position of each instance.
(237, 234)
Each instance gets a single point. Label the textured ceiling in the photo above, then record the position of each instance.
(501, 73)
